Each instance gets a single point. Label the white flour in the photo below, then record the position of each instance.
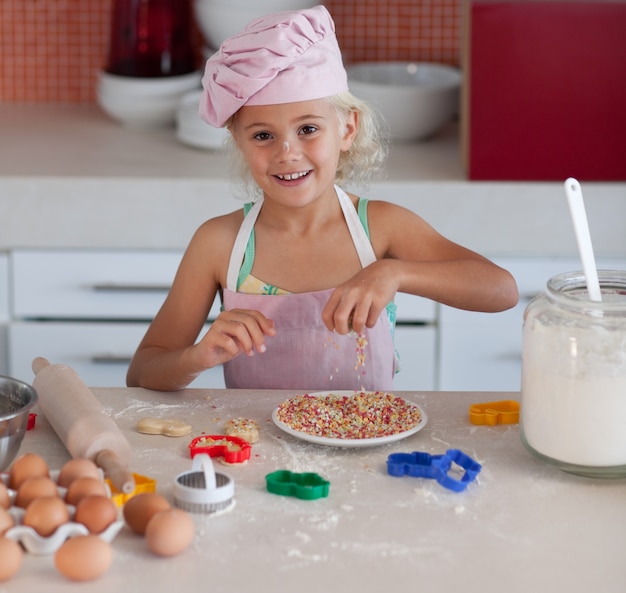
(574, 393)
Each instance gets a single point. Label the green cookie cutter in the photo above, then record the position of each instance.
(306, 486)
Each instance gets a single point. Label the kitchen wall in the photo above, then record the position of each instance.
(51, 50)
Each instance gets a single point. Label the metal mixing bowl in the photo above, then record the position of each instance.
(16, 400)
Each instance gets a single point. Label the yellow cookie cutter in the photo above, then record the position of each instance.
(142, 484)
(492, 413)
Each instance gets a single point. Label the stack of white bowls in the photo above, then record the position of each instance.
(144, 102)
(192, 130)
(219, 19)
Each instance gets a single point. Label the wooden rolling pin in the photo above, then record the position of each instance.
(81, 422)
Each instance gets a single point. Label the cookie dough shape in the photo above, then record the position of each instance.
(166, 426)
(243, 428)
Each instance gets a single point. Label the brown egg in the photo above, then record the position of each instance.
(5, 499)
(11, 556)
(46, 514)
(83, 558)
(169, 532)
(139, 509)
(35, 488)
(6, 521)
(84, 486)
(77, 468)
(29, 465)
(96, 513)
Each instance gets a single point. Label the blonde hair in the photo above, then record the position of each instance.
(359, 165)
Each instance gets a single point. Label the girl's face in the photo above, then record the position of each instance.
(293, 149)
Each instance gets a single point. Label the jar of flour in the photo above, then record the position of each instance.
(573, 400)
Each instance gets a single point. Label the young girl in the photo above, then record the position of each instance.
(306, 273)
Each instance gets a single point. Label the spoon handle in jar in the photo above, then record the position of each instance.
(583, 237)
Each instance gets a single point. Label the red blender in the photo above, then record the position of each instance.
(151, 38)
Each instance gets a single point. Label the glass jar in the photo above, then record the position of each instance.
(573, 400)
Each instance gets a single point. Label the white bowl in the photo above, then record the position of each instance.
(158, 86)
(143, 102)
(219, 19)
(415, 98)
(192, 130)
(143, 112)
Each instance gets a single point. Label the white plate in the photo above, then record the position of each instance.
(337, 442)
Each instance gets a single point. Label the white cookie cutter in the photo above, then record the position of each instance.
(202, 490)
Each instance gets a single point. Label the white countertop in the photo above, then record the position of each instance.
(521, 526)
(71, 177)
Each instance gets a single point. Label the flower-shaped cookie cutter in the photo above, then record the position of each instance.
(232, 449)
(436, 467)
(492, 413)
(306, 486)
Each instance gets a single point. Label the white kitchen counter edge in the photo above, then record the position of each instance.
(503, 219)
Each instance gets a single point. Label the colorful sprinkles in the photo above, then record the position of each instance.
(361, 342)
(360, 349)
(362, 415)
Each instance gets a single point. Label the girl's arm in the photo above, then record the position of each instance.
(416, 259)
(168, 358)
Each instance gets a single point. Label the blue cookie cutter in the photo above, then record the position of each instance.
(436, 467)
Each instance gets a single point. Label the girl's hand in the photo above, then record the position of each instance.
(358, 303)
(234, 332)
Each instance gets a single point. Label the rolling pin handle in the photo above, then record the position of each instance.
(120, 477)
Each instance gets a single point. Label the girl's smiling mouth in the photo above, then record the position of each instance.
(292, 176)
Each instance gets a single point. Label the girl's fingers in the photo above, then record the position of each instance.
(247, 328)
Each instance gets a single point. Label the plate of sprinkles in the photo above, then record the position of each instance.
(348, 418)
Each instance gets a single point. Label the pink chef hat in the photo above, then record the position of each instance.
(279, 58)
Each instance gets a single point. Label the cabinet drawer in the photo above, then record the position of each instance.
(416, 346)
(4, 311)
(96, 284)
(98, 352)
(413, 308)
(4, 287)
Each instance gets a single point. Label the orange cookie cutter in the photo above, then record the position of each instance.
(142, 484)
(219, 445)
(492, 413)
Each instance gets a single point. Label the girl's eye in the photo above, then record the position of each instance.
(262, 136)
(308, 130)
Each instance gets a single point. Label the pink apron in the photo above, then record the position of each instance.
(303, 354)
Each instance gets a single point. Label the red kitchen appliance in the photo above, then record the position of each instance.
(151, 38)
(544, 94)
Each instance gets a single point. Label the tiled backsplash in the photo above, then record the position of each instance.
(51, 50)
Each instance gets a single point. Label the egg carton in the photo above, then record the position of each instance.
(37, 544)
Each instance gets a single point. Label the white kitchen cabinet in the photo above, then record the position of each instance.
(483, 351)
(98, 352)
(90, 284)
(4, 311)
(417, 348)
(88, 309)
(416, 343)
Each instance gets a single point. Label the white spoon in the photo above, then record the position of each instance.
(581, 228)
